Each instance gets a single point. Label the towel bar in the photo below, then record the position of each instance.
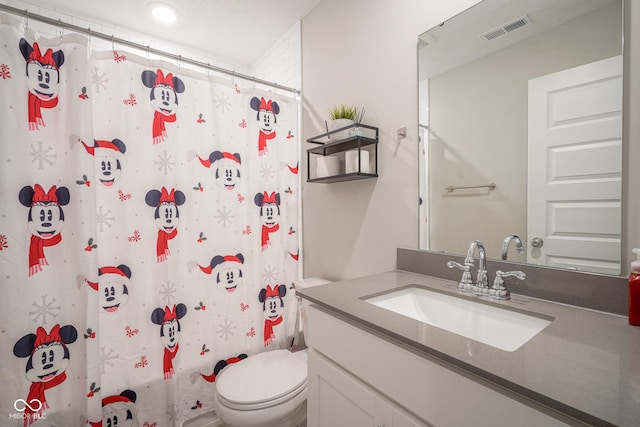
(451, 188)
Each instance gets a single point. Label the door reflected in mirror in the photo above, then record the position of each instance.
(525, 96)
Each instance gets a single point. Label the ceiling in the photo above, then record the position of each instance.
(236, 30)
(458, 41)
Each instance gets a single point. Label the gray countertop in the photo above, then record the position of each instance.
(585, 364)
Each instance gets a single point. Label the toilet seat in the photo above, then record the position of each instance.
(261, 381)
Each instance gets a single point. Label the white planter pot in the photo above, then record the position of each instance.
(337, 124)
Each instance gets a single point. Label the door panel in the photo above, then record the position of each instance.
(575, 167)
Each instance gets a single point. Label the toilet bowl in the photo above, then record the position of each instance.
(267, 389)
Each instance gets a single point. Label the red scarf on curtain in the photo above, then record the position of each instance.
(266, 242)
(167, 361)
(36, 391)
(36, 252)
(35, 114)
(262, 142)
(162, 245)
(159, 131)
(269, 335)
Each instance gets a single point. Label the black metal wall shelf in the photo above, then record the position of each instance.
(358, 138)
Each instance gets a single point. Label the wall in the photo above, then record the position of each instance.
(493, 90)
(281, 63)
(363, 52)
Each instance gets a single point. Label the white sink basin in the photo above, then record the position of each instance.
(498, 327)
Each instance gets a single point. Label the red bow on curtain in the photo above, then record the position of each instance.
(43, 338)
(161, 79)
(46, 59)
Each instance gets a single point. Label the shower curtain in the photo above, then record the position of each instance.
(147, 235)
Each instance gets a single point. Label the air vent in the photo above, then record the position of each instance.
(506, 28)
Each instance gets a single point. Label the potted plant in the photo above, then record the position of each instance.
(339, 117)
(343, 112)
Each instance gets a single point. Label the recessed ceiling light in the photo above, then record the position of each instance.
(162, 12)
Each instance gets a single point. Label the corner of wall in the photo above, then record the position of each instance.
(282, 62)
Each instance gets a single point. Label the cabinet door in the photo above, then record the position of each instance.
(338, 399)
(335, 398)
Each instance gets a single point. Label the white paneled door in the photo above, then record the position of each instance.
(575, 165)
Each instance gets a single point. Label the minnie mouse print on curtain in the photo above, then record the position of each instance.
(148, 235)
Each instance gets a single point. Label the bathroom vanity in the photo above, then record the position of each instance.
(370, 366)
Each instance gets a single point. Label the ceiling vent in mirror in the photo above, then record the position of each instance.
(506, 28)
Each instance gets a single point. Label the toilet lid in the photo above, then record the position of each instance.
(262, 378)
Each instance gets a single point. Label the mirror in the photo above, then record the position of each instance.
(520, 119)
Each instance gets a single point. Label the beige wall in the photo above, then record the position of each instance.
(479, 125)
(363, 52)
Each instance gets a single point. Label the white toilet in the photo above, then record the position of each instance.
(265, 390)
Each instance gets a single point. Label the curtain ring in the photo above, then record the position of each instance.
(26, 23)
(179, 62)
(59, 28)
(113, 46)
(208, 69)
(147, 53)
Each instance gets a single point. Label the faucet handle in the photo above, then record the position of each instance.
(466, 282)
(499, 290)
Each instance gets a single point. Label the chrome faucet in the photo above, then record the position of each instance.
(481, 285)
(505, 245)
(466, 284)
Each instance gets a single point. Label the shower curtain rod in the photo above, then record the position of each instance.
(179, 58)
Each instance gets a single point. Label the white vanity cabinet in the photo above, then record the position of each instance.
(358, 379)
(341, 400)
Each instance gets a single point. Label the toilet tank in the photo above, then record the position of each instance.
(310, 282)
(298, 341)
